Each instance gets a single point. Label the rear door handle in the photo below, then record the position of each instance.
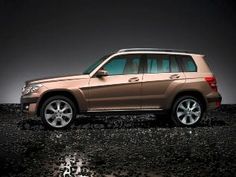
(134, 79)
(174, 76)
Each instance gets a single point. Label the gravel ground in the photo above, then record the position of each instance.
(125, 145)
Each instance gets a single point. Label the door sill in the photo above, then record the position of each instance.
(123, 110)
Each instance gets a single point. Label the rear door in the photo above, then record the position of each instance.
(161, 80)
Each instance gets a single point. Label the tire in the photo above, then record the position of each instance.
(187, 111)
(58, 112)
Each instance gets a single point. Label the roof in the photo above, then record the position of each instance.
(154, 50)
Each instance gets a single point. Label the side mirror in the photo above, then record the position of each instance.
(101, 73)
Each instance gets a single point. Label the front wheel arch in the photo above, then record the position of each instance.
(53, 93)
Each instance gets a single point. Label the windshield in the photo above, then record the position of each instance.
(93, 66)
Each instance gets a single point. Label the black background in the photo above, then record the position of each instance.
(47, 38)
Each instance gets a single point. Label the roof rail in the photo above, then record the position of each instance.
(153, 49)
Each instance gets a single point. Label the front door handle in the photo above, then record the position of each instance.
(134, 79)
(174, 76)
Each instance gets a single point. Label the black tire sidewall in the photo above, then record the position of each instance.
(47, 101)
(174, 117)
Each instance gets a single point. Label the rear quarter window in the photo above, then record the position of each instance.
(188, 64)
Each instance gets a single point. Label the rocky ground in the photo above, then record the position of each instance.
(138, 145)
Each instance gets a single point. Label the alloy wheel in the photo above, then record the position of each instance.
(58, 113)
(188, 111)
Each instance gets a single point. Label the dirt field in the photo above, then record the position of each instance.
(125, 145)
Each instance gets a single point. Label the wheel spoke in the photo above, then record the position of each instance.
(49, 116)
(182, 106)
(180, 113)
(54, 122)
(196, 113)
(194, 106)
(63, 121)
(58, 105)
(188, 104)
(191, 119)
(52, 108)
(65, 108)
(184, 120)
(68, 115)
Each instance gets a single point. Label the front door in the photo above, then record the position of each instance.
(121, 89)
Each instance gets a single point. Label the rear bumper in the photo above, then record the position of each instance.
(214, 101)
(28, 104)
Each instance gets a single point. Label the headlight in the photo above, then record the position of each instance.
(31, 88)
(23, 89)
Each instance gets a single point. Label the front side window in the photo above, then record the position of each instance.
(123, 64)
(161, 64)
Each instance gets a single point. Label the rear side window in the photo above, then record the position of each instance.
(161, 64)
(188, 64)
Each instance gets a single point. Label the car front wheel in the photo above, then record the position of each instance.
(58, 112)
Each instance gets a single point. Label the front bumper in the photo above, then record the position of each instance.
(28, 104)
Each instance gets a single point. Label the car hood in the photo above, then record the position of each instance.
(56, 79)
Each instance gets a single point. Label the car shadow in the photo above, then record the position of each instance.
(115, 122)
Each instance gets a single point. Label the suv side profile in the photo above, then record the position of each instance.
(137, 79)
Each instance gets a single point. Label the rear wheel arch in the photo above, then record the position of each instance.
(193, 93)
(52, 93)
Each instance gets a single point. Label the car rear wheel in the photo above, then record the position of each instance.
(187, 111)
(58, 112)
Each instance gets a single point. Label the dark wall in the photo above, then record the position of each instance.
(46, 38)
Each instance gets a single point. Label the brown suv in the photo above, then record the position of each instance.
(138, 79)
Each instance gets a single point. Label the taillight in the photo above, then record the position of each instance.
(212, 83)
(218, 103)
